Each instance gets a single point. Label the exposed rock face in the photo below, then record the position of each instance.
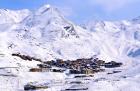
(26, 57)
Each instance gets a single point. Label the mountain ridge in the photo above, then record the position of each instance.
(51, 26)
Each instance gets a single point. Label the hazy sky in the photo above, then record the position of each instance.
(83, 10)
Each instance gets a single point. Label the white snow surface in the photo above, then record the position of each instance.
(46, 34)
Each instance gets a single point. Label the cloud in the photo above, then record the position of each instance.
(112, 5)
(109, 6)
(81, 10)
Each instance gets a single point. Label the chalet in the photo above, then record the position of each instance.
(112, 64)
(33, 87)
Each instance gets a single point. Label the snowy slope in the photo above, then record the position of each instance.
(122, 38)
(47, 35)
(10, 16)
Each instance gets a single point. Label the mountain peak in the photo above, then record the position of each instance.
(47, 5)
(136, 20)
(44, 15)
(50, 23)
(44, 9)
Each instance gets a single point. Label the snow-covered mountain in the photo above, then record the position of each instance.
(122, 36)
(10, 16)
(46, 34)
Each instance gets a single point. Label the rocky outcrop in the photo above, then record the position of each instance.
(34, 87)
(26, 57)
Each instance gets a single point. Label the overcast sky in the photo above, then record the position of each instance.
(83, 10)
